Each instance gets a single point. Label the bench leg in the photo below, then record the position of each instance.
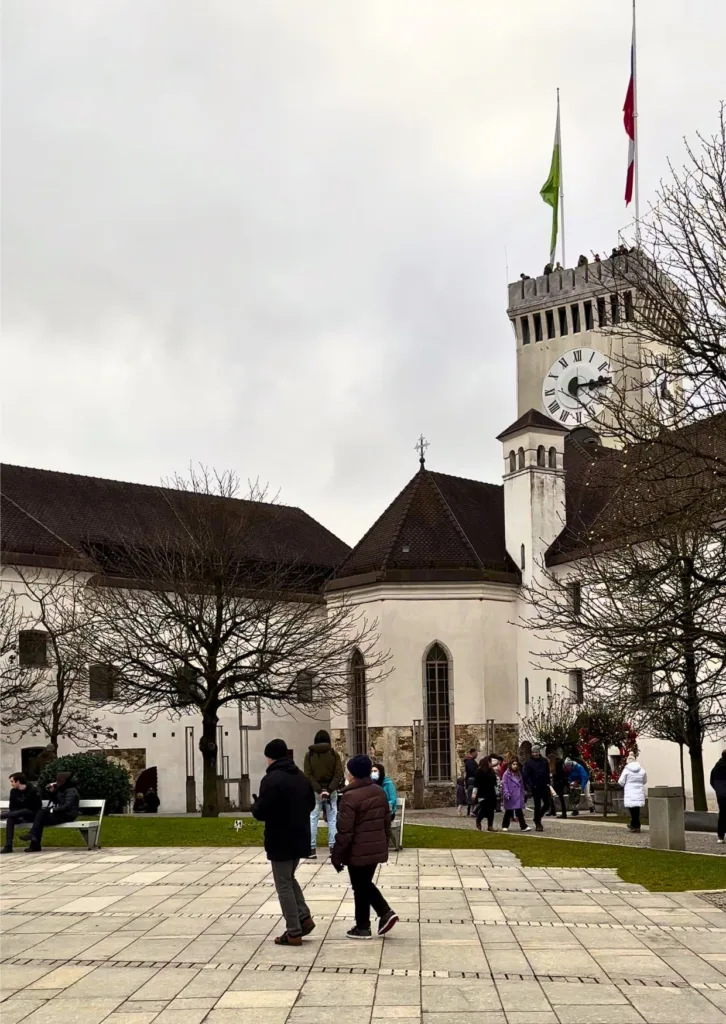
(90, 837)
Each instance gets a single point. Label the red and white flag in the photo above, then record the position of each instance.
(629, 122)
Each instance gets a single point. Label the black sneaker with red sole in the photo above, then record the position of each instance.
(387, 922)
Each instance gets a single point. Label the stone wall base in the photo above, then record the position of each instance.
(393, 746)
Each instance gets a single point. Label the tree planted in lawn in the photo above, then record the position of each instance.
(217, 610)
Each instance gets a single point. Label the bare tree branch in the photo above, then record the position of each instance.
(214, 610)
(52, 699)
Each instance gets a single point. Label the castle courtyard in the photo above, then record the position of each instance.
(184, 936)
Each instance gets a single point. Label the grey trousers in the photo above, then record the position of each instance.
(293, 906)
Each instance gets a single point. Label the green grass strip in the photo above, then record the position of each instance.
(657, 870)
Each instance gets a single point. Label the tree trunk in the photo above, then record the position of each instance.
(694, 725)
(208, 750)
(698, 779)
(605, 784)
(683, 774)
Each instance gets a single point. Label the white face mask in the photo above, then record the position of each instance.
(375, 775)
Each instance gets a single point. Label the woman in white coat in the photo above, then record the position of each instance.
(633, 779)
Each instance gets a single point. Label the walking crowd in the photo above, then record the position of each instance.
(505, 783)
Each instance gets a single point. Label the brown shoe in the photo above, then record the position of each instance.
(307, 925)
(288, 940)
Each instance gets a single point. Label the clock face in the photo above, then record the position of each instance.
(574, 388)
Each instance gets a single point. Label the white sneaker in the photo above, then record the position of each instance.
(721, 841)
(527, 828)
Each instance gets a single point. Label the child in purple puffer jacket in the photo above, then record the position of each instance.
(513, 796)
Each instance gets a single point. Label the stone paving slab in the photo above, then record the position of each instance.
(185, 936)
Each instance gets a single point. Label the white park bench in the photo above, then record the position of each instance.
(90, 829)
(396, 839)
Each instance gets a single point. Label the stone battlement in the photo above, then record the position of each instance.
(612, 274)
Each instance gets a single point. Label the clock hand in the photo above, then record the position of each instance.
(575, 385)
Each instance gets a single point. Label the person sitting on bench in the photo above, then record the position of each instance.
(24, 805)
(63, 807)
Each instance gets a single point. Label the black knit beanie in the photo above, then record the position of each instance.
(276, 749)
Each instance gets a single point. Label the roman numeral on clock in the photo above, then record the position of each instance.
(577, 355)
(592, 356)
(603, 366)
(564, 415)
(553, 407)
(553, 375)
(549, 391)
(578, 417)
(563, 362)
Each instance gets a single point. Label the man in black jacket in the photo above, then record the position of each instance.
(536, 775)
(24, 805)
(718, 784)
(63, 807)
(284, 804)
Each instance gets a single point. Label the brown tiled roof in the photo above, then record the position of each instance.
(613, 494)
(535, 420)
(441, 524)
(48, 515)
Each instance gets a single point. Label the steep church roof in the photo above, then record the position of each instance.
(439, 527)
(535, 420)
(48, 516)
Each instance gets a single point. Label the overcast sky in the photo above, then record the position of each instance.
(270, 235)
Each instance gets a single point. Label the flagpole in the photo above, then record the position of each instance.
(636, 168)
(562, 191)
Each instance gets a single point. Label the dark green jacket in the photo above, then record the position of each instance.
(323, 768)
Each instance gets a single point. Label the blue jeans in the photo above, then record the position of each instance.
(331, 807)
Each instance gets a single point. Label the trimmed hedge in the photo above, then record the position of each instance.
(95, 778)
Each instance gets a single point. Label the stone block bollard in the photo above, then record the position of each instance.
(666, 818)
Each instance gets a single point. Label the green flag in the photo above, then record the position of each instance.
(550, 191)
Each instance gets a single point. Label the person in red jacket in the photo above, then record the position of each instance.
(361, 844)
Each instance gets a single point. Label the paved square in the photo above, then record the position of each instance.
(182, 936)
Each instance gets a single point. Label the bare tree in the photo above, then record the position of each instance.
(50, 693)
(669, 315)
(667, 720)
(215, 609)
(552, 723)
(647, 626)
(14, 678)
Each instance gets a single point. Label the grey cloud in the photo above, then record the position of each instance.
(271, 235)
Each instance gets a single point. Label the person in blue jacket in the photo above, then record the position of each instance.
(378, 774)
(577, 777)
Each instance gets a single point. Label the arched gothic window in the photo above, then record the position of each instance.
(553, 458)
(520, 458)
(541, 455)
(438, 715)
(358, 717)
(512, 461)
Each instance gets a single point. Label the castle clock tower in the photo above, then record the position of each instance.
(574, 345)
